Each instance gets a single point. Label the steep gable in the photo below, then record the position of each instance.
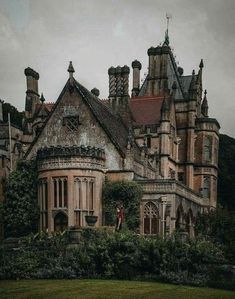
(96, 125)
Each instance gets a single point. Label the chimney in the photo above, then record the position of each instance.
(31, 80)
(119, 81)
(125, 79)
(32, 96)
(136, 65)
(112, 82)
(151, 54)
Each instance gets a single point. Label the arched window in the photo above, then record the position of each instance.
(84, 198)
(189, 223)
(180, 223)
(207, 148)
(60, 222)
(206, 186)
(151, 219)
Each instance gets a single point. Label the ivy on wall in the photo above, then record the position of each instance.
(123, 193)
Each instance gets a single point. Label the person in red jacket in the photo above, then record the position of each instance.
(119, 218)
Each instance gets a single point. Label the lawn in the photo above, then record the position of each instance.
(110, 289)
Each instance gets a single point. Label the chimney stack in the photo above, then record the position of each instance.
(32, 96)
(136, 65)
(119, 91)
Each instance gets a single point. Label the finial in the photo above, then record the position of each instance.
(70, 69)
(42, 99)
(201, 65)
(204, 107)
(167, 42)
(95, 91)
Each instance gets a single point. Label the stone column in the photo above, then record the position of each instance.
(70, 201)
(50, 204)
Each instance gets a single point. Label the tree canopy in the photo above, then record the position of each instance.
(226, 178)
(20, 208)
(16, 116)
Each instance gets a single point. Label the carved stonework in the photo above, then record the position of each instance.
(69, 151)
(71, 162)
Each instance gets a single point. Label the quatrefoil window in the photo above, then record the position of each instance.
(72, 123)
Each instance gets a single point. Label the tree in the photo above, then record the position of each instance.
(20, 208)
(226, 178)
(219, 226)
(16, 116)
(129, 195)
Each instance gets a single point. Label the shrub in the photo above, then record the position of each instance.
(129, 195)
(122, 255)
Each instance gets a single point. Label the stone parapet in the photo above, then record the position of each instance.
(172, 187)
(71, 151)
(70, 163)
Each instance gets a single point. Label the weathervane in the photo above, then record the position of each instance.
(168, 17)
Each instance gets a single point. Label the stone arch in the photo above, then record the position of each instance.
(151, 219)
(190, 223)
(60, 222)
(180, 221)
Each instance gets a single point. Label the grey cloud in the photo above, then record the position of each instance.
(46, 35)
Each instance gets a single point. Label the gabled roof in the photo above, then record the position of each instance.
(185, 83)
(112, 124)
(146, 110)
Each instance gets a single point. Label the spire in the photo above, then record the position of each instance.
(167, 41)
(199, 76)
(192, 86)
(42, 99)
(201, 65)
(204, 107)
(70, 69)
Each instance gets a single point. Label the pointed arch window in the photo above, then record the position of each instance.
(206, 186)
(208, 149)
(151, 219)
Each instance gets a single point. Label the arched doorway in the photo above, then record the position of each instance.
(60, 222)
(151, 219)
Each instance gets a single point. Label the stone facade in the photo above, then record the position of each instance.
(160, 137)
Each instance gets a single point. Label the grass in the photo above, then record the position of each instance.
(110, 289)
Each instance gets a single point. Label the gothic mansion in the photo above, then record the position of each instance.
(161, 137)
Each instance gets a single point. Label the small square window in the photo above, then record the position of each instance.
(72, 123)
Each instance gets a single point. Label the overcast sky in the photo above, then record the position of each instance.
(95, 34)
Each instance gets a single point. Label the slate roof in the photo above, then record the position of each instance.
(111, 123)
(185, 83)
(146, 110)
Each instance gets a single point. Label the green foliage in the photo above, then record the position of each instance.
(226, 174)
(219, 226)
(20, 208)
(16, 116)
(129, 195)
(101, 254)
